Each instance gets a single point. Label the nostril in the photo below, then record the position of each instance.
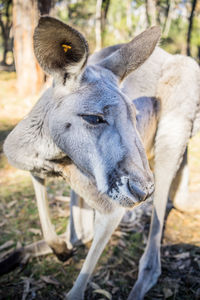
(136, 192)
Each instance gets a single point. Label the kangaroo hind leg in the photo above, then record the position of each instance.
(169, 150)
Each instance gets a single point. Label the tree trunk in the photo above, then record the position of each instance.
(194, 2)
(5, 25)
(142, 23)
(5, 50)
(30, 76)
(98, 27)
(104, 13)
(151, 12)
(45, 6)
(128, 15)
(168, 19)
(5, 38)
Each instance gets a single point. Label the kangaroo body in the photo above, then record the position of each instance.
(97, 127)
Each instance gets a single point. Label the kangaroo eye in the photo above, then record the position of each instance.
(94, 120)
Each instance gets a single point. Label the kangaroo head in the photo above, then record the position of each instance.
(93, 122)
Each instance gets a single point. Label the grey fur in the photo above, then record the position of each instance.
(107, 164)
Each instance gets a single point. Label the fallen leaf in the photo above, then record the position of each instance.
(5, 253)
(167, 292)
(117, 233)
(3, 223)
(62, 198)
(19, 245)
(26, 288)
(12, 203)
(182, 255)
(50, 280)
(130, 261)
(122, 244)
(107, 277)
(62, 213)
(110, 283)
(115, 289)
(7, 245)
(94, 286)
(104, 293)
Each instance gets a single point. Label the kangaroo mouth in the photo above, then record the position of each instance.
(126, 193)
(125, 200)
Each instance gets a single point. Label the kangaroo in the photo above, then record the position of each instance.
(97, 126)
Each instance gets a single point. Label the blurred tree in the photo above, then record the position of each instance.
(80, 14)
(45, 6)
(168, 19)
(98, 25)
(194, 2)
(129, 14)
(30, 76)
(104, 13)
(195, 36)
(105, 22)
(5, 26)
(151, 12)
(102, 7)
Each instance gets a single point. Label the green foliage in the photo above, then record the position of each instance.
(176, 42)
(81, 15)
(116, 26)
(116, 30)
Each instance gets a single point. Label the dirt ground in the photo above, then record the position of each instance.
(46, 277)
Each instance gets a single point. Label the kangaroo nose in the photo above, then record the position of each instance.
(136, 191)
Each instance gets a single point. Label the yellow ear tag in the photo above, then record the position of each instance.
(66, 47)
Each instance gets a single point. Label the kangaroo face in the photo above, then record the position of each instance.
(93, 122)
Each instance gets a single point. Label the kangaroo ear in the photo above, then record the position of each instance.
(60, 49)
(133, 54)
